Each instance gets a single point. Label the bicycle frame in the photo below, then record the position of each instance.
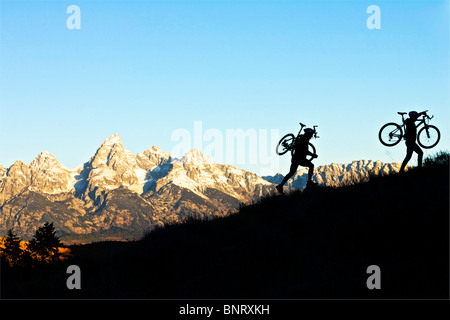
(423, 121)
(427, 135)
(289, 141)
(315, 136)
(292, 145)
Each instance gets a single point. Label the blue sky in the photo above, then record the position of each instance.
(144, 69)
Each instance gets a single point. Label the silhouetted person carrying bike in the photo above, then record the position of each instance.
(299, 159)
(410, 137)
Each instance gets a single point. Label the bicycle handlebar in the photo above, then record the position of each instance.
(427, 116)
(424, 113)
(304, 125)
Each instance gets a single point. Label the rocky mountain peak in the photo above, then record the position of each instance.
(18, 167)
(155, 149)
(112, 140)
(195, 157)
(44, 161)
(112, 154)
(15, 180)
(48, 176)
(152, 158)
(111, 167)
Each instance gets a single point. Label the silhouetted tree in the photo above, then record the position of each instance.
(45, 243)
(12, 253)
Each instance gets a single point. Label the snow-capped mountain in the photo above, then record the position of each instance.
(119, 195)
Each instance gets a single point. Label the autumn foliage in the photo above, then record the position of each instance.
(44, 248)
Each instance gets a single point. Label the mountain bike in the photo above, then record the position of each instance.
(288, 142)
(428, 136)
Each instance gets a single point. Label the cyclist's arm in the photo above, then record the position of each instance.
(303, 144)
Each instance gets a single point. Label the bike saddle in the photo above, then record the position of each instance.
(402, 113)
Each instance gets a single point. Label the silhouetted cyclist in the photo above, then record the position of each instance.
(299, 159)
(410, 137)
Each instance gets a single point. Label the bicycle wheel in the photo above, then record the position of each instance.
(285, 143)
(428, 137)
(390, 134)
(311, 149)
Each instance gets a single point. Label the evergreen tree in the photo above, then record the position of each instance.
(45, 243)
(12, 253)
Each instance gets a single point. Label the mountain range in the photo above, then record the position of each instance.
(117, 195)
(336, 175)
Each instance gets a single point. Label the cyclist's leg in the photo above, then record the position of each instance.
(292, 171)
(409, 152)
(310, 165)
(419, 152)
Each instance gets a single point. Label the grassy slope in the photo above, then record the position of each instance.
(316, 244)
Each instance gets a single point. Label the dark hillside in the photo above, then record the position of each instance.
(315, 244)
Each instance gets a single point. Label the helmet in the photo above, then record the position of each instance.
(308, 131)
(413, 114)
